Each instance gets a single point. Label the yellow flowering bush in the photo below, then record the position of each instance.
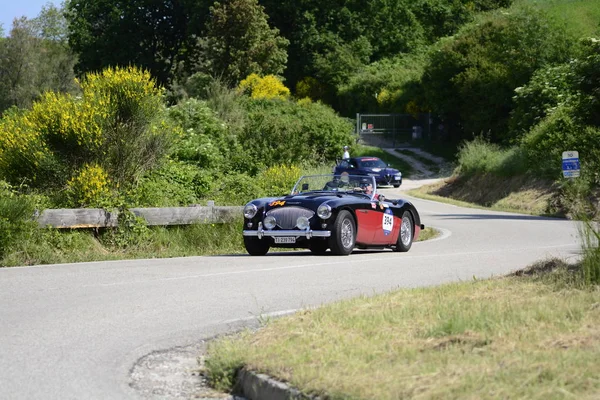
(268, 87)
(22, 148)
(279, 179)
(116, 124)
(89, 187)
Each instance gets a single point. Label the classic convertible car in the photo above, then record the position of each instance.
(337, 212)
(370, 166)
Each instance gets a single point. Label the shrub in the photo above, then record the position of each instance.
(286, 132)
(174, 184)
(482, 157)
(279, 179)
(16, 222)
(115, 124)
(563, 131)
(548, 88)
(89, 187)
(267, 87)
(470, 78)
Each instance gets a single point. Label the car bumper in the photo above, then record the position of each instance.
(282, 233)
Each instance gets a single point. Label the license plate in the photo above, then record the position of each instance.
(285, 239)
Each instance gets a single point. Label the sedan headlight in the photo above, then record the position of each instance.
(269, 222)
(324, 211)
(250, 210)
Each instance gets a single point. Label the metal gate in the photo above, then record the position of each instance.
(391, 130)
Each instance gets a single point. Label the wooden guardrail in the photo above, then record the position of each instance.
(100, 218)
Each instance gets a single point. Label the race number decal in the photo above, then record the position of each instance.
(388, 221)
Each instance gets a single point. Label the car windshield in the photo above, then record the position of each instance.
(370, 163)
(344, 183)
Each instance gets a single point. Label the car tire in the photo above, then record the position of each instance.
(344, 234)
(255, 246)
(396, 185)
(318, 246)
(406, 234)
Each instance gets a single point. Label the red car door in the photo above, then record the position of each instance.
(388, 225)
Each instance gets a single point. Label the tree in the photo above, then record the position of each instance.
(35, 58)
(240, 42)
(152, 34)
(470, 78)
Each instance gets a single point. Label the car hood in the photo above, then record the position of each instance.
(309, 200)
(383, 171)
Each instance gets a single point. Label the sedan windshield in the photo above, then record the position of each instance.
(371, 163)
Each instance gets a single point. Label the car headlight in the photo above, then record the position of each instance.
(324, 211)
(302, 223)
(269, 222)
(250, 210)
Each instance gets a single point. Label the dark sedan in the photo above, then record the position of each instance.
(336, 212)
(370, 166)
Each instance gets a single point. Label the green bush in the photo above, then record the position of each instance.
(563, 131)
(548, 88)
(174, 184)
(287, 132)
(116, 125)
(471, 77)
(482, 157)
(16, 218)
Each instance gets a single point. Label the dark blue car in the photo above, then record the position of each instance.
(370, 166)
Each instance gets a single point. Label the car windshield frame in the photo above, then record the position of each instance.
(335, 184)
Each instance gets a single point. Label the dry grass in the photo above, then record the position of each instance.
(515, 337)
(521, 194)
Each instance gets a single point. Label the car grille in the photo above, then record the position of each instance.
(286, 217)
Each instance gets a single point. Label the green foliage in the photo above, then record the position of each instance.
(16, 222)
(388, 85)
(174, 184)
(204, 138)
(239, 42)
(471, 77)
(286, 132)
(151, 34)
(563, 131)
(479, 157)
(236, 189)
(549, 88)
(588, 73)
(35, 58)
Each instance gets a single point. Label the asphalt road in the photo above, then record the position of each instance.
(74, 331)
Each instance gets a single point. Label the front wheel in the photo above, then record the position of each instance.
(255, 246)
(396, 185)
(344, 234)
(405, 237)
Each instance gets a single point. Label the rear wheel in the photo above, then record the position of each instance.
(318, 247)
(255, 246)
(405, 238)
(344, 234)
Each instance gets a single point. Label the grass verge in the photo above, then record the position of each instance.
(520, 194)
(534, 335)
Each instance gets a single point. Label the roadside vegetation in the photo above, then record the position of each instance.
(530, 335)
